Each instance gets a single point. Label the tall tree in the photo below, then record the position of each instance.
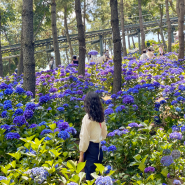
(28, 46)
(81, 38)
(123, 28)
(67, 32)
(180, 12)
(117, 46)
(1, 61)
(161, 6)
(169, 26)
(20, 65)
(54, 33)
(84, 14)
(141, 25)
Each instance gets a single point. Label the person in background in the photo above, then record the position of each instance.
(52, 64)
(148, 44)
(74, 61)
(144, 55)
(150, 52)
(107, 55)
(161, 52)
(93, 131)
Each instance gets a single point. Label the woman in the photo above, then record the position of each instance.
(93, 131)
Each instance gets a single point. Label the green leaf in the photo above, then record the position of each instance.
(81, 175)
(75, 178)
(90, 182)
(71, 164)
(142, 167)
(13, 163)
(80, 167)
(164, 172)
(143, 160)
(137, 157)
(100, 168)
(16, 155)
(94, 175)
(52, 126)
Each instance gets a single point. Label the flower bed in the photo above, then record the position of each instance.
(145, 143)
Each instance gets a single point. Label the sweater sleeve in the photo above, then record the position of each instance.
(84, 135)
(104, 131)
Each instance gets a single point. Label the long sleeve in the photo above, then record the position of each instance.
(104, 131)
(84, 135)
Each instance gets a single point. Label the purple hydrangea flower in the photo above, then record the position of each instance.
(8, 91)
(104, 181)
(4, 114)
(19, 90)
(29, 93)
(62, 125)
(33, 125)
(177, 182)
(128, 99)
(176, 135)
(60, 109)
(103, 143)
(28, 114)
(19, 120)
(71, 130)
(149, 169)
(133, 125)
(104, 148)
(110, 134)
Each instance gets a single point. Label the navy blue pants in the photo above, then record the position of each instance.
(91, 157)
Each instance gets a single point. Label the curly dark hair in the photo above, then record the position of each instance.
(93, 107)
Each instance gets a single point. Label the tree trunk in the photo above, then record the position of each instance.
(20, 65)
(161, 24)
(54, 33)
(67, 32)
(1, 60)
(128, 40)
(169, 26)
(81, 38)
(123, 28)
(67, 57)
(117, 46)
(141, 26)
(28, 46)
(158, 36)
(181, 28)
(84, 14)
(133, 42)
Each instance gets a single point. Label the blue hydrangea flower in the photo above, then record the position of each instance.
(183, 129)
(8, 91)
(3, 178)
(177, 182)
(12, 135)
(29, 93)
(166, 160)
(19, 111)
(19, 105)
(111, 134)
(47, 138)
(65, 105)
(43, 123)
(71, 130)
(111, 148)
(178, 109)
(104, 148)
(109, 111)
(103, 143)
(46, 131)
(63, 135)
(104, 181)
(72, 183)
(7, 106)
(44, 99)
(19, 90)
(60, 109)
(33, 125)
(30, 106)
(4, 114)
(38, 174)
(128, 99)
